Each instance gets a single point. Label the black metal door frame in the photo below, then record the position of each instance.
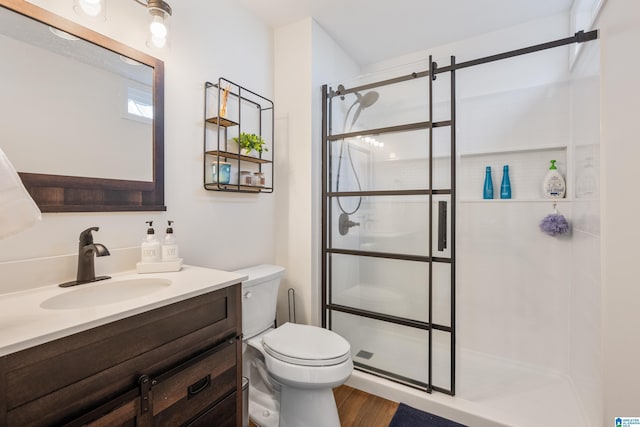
(328, 249)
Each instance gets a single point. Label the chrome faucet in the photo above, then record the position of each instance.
(86, 250)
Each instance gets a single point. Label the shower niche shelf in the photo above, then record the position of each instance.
(513, 150)
(528, 167)
(231, 110)
(518, 200)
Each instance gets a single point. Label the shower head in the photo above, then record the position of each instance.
(365, 101)
(368, 99)
(362, 101)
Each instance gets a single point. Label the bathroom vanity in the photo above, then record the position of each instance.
(168, 355)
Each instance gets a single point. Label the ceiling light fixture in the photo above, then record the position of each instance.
(160, 11)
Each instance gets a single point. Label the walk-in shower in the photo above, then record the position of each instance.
(434, 287)
(392, 278)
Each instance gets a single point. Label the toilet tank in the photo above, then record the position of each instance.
(259, 297)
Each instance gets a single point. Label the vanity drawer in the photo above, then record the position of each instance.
(221, 415)
(58, 381)
(177, 396)
(192, 387)
(123, 411)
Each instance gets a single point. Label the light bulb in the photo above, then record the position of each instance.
(158, 42)
(158, 28)
(90, 7)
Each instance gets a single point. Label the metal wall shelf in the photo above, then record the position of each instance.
(248, 112)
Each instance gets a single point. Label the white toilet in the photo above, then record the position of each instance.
(291, 369)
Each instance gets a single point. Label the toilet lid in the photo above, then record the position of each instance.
(306, 345)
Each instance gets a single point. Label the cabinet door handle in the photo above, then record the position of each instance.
(198, 386)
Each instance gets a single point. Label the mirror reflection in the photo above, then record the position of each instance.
(70, 107)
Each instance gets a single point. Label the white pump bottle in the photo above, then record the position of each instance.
(150, 249)
(169, 245)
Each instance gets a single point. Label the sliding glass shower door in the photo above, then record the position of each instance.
(389, 225)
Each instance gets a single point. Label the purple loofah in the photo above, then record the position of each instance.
(554, 224)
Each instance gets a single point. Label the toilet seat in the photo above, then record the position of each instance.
(305, 345)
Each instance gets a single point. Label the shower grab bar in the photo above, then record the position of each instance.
(442, 225)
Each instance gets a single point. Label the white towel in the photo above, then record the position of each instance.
(18, 211)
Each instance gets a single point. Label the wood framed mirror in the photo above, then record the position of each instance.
(123, 167)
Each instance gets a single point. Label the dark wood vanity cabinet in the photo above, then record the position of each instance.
(171, 366)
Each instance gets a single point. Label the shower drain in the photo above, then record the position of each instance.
(364, 354)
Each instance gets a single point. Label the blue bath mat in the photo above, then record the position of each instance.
(406, 416)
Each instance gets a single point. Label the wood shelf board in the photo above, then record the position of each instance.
(237, 188)
(236, 156)
(221, 121)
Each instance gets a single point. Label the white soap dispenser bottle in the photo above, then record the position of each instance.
(553, 186)
(150, 246)
(169, 246)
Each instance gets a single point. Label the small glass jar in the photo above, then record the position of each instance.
(223, 175)
(245, 178)
(258, 179)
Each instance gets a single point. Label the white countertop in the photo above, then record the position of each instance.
(25, 320)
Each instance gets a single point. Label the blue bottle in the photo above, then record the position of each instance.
(488, 185)
(505, 187)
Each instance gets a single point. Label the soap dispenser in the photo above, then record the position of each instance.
(150, 246)
(553, 186)
(169, 245)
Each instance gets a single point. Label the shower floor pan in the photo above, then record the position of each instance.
(490, 391)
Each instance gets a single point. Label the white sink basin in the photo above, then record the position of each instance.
(105, 292)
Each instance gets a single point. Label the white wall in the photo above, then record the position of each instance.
(620, 104)
(221, 230)
(305, 58)
(292, 87)
(498, 75)
(513, 281)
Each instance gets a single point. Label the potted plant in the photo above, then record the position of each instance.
(251, 142)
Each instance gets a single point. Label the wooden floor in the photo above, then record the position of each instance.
(359, 409)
